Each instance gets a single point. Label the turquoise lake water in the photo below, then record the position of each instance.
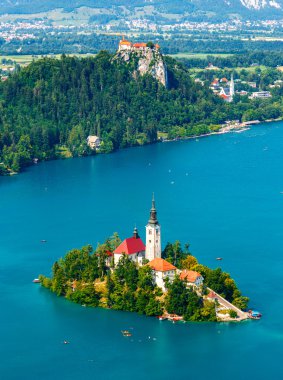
(221, 193)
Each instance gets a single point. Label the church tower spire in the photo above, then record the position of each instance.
(232, 87)
(153, 212)
(153, 235)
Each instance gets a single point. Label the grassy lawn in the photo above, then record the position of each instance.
(24, 60)
(251, 69)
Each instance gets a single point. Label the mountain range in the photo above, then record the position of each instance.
(241, 8)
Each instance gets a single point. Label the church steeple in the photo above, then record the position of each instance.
(153, 234)
(136, 234)
(153, 213)
(232, 87)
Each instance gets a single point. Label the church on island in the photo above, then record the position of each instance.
(150, 254)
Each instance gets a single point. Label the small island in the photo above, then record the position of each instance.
(131, 276)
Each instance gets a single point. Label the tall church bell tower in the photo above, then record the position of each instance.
(153, 235)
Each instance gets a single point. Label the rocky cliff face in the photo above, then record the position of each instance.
(146, 60)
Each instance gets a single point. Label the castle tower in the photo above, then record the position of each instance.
(153, 235)
(232, 87)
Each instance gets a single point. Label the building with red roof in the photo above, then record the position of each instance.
(139, 45)
(211, 296)
(133, 247)
(191, 277)
(162, 270)
(127, 45)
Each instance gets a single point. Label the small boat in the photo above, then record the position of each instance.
(66, 342)
(161, 318)
(43, 241)
(219, 258)
(36, 280)
(126, 333)
(254, 314)
(241, 130)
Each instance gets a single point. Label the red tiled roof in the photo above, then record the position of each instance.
(161, 265)
(189, 275)
(224, 96)
(211, 295)
(125, 42)
(109, 253)
(130, 246)
(139, 45)
(74, 284)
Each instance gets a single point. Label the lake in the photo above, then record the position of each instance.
(222, 194)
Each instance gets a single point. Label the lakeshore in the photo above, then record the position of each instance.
(228, 127)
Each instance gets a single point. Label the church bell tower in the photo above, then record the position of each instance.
(153, 235)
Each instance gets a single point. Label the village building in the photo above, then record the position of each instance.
(192, 278)
(252, 84)
(162, 270)
(261, 95)
(224, 80)
(228, 93)
(211, 296)
(93, 142)
(212, 67)
(74, 285)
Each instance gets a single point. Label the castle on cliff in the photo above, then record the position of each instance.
(146, 57)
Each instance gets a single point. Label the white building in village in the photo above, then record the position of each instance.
(162, 270)
(192, 278)
(93, 142)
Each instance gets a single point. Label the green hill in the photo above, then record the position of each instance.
(58, 102)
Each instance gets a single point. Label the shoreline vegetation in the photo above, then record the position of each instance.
(228, 127)
(89, 277)
(50, 107)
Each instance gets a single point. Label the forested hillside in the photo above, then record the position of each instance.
(48, 109)
(60, 102)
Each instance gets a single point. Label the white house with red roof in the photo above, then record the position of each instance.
(162, 270)
(133, 247)
(191, 277)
